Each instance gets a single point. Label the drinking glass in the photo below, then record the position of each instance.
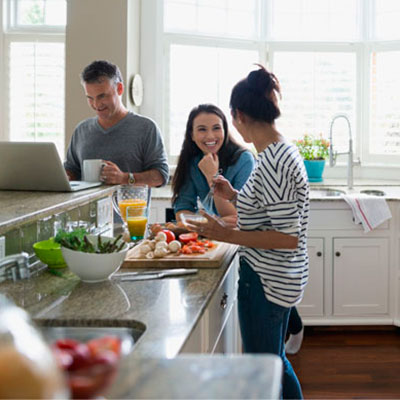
(136, 219)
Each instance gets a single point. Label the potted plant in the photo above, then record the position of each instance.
(314, 151)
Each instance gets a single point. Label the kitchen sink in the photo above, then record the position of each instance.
(373, 192)
(128, 335)
(326, 192)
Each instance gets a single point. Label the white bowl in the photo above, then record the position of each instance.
(186, 218)
(93, 267)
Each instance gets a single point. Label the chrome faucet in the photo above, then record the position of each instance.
(332, 154)
(14, 267)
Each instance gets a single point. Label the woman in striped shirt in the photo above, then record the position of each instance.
(273, 212)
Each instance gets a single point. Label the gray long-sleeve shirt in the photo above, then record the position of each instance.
(135, 144)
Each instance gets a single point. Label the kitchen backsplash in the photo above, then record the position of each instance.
(23, 237)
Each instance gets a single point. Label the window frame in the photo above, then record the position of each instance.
(11, 25)
(8, 35)
(362, 49)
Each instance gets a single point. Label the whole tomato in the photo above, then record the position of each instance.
(170, 235)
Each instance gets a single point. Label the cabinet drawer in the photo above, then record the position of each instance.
(221, 306)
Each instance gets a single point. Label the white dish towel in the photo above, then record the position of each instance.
(370, 211)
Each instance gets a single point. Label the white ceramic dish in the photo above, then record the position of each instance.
(92, 267)
(186, 218)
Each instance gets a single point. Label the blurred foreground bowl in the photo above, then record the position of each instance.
(49, 252)
(94, 267)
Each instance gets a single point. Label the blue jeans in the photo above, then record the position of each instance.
(263, 326)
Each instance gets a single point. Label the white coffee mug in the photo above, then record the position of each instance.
(92, 170)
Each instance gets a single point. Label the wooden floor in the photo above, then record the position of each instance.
(349, 363)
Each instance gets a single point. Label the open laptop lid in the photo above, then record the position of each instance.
(35, 166)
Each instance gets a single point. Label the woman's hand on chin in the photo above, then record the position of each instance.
(209, 166)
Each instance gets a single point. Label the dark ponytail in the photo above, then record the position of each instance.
(256, 96)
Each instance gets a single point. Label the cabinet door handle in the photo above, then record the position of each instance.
(319, 253)
(337, 254)
(224, 301)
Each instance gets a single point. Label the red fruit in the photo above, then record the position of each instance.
(188, 237)
(63, 358)
(105, 343)
(78, 351)
(90, 381)
(170, 235)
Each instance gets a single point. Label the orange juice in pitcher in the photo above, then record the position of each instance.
(133, 203)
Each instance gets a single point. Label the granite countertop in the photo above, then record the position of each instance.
(20, 207)
(166, 309)
(200, 377)
(390, 188)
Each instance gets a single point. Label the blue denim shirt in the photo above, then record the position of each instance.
(197, 185)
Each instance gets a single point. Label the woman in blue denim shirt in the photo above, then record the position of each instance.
(208, 148)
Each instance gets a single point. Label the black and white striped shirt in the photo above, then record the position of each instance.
(276, 197)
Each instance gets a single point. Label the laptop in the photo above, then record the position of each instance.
(35, 166)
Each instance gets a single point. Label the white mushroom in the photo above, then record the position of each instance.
(150, 255)
(160, 252)
(174, 246)
(161, 237)
(161, 243)
(144, 249)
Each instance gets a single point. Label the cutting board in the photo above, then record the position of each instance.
(211, 259)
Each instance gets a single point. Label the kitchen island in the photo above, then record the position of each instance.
(164, 314)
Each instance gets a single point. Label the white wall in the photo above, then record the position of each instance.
(98, 29)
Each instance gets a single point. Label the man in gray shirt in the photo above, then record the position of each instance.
(130, 145)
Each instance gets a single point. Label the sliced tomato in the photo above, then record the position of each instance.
(170, 235)
(105, 343)
(188, 237)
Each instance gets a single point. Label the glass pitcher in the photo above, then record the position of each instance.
(130, 196)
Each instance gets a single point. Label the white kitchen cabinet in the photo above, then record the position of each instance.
(351, 272)
(217, 329)
(313, 300)
(360, 276)
(157, 210)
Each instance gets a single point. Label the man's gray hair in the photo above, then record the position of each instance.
(96, 71)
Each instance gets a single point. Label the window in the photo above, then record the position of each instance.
(331, 56)
(34, 71)
(213, 72)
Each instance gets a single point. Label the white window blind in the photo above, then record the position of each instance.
(385, 100)
(331, 56)
(314, 20)
(387, 17)
(36, 92)
(234, 18)
(200, 74)
(320, 85)
(34, 66)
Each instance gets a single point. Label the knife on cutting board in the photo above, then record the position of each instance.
(147, 275)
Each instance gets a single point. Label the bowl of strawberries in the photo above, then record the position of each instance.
(89, 359)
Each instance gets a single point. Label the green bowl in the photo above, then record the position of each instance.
(49, 252)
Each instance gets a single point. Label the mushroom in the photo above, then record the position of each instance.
(160, 252)
(150, 255)
(161, 237)
(144, 249)
(174, 246)
(161, 243)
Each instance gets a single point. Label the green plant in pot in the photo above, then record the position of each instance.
(314, 151)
